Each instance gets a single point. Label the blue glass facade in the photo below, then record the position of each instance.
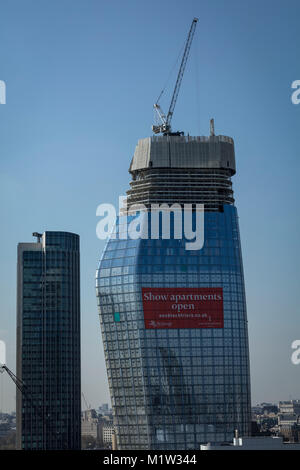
(48, 343)
(176, 384)
(175, 388)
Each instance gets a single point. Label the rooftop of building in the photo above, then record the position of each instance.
(254, 443)
(169, 151)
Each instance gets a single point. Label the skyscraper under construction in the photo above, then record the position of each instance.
(173, 319)
(180, 381)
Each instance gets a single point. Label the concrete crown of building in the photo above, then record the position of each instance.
(184, 152)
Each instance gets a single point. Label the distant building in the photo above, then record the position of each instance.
(286, 419)
(103, 409)
(90, 424)
(289, 407)
(114, 441)
(254, 443)
(256, 410)
(106, 418)
(107, 433)
(48, 342)
(290, 432)
(289, 420)
(7, 424)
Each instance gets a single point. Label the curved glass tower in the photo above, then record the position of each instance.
(173, 319)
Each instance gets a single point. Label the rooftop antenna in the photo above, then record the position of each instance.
(212, 127)
(38, 236)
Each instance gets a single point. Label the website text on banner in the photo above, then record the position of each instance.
(183, 307)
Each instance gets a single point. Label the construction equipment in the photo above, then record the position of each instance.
(165, 126)
(23, 389)
(26, 394)
(18, 382)
(88, 407)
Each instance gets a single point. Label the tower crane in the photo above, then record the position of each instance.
(165, 126)
(88, 407)
(20, 384)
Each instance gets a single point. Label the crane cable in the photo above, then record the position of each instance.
(165, 127)
(171, 72)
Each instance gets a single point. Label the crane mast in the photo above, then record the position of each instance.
(165, 126)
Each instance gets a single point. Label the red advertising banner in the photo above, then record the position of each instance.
(183, 307)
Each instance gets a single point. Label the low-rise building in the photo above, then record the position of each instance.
(289, 407)
(289, 420)
(107, 433)
(254, 443)
(90, 424)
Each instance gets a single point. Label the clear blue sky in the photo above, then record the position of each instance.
(82, 77)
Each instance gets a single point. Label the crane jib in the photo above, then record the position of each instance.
(165, 126)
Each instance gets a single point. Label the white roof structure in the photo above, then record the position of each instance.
(184, 152)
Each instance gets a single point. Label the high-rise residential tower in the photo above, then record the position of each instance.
(173, 320)
(48, 342)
